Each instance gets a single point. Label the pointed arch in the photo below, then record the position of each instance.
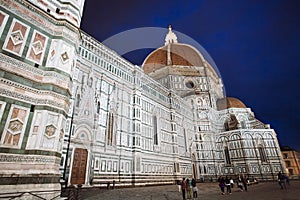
(83, 132)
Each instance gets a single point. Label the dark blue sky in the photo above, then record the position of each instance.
(254, 43)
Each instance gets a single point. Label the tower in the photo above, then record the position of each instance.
(37, 56)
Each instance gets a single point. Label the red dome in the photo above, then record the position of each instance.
(229, 102)
(180, 54)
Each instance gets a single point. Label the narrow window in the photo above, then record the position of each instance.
(226, 126)
(155, 136)
(77, 100)
(262, 154)
(98, 107)
(227, 156)
(110, 129)
(185, 140)
(243, 124)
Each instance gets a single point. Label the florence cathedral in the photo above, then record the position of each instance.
(73, 111)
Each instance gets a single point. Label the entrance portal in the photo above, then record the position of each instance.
(79, 166)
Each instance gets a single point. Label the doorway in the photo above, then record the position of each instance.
(79, 166)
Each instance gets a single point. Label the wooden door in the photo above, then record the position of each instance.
(79, 166)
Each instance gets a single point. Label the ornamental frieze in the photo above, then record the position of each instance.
(36, 92)
(186, 71)
(34, 101)
(28, 159)
(30, 72)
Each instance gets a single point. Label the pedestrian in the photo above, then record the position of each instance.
(194, 188)
(245, 182)
(240, 183)
(228, 185)
(231, 182)
(287, 180)
(221, 182)
(281, 180)
(183, 188)
(179, 185)
(188, 189)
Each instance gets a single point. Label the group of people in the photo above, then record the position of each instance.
(283, 180)
(189, 189)
(228, 183)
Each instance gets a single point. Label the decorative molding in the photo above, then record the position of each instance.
(59, 101)
(12, 65)
(28, 159)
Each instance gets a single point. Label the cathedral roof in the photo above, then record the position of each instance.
(229, 102)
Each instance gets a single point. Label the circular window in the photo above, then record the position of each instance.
(189, 84)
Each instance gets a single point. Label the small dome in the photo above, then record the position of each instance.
(180, 54)
(229, 102)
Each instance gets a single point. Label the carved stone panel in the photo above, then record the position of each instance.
(37, 47)
(15, 127)
(16, 37)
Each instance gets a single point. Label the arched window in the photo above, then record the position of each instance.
(262, 154)
(110, 129)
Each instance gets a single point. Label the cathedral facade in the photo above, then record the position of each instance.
(73, 111)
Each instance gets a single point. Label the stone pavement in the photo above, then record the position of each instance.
(207, 191)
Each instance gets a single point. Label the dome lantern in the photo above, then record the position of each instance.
(170, 37)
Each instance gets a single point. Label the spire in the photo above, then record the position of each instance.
(170, 37)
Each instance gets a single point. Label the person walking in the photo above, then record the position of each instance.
(195, 189)
(183, 188)
(287, 179)
(178, 182)
(281, 180)
(228, 185)
(240, 183)
(245, 182)
(221, 182)
(188, 189)
(231, 182)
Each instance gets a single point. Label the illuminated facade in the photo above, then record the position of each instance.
(66, 95)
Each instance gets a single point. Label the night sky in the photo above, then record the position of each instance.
(255, 45)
